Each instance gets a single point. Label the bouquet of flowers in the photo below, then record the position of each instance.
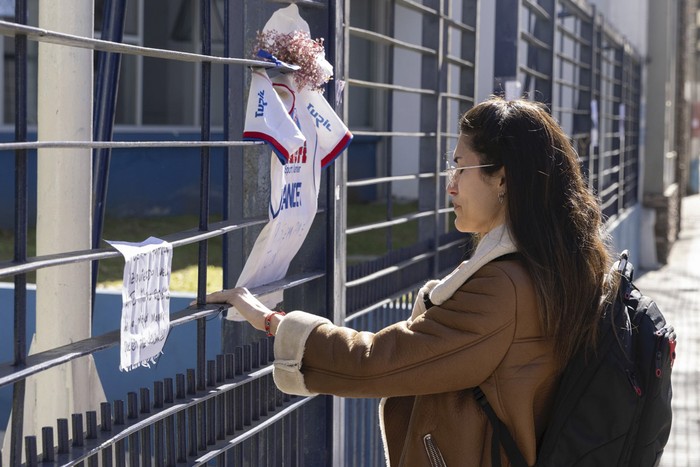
(296, 48)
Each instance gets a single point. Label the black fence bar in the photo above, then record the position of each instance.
(47, 444)
(205, 115)
(9, 373)
(52, 37)
(21, 198)
(227, 135)
(63, 436)
(32, 459)
(104, 111)
(177, 239)
(21, 229)
(177, 144)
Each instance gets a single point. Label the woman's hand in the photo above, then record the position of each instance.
(247, 305)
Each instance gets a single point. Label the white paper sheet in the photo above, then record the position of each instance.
(145, 320)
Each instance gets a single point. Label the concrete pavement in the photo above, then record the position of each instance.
(676, 289)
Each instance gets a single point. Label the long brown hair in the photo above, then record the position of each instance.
(555, 220)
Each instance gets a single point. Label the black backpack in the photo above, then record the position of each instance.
(613, 406)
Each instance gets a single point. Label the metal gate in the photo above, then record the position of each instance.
(565, 54)
(558, 52)
(226, 410)
(410, 69)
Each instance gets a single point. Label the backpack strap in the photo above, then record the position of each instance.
(500, 435)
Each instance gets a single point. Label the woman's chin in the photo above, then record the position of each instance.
(461, 227)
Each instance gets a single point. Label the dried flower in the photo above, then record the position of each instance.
(298, 48)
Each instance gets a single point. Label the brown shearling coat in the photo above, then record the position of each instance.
(487, 334)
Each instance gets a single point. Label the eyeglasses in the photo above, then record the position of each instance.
(453, 171)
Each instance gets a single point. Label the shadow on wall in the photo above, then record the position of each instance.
(179, 352)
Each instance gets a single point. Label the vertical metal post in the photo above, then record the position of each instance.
(389, 146)
(20, 253)
(441, 77)
(338, 12)
(236, 22)
(596, 94)
(430, 120)
(582, 121)
(234, 88)
(104, 111)
(506, 45)
(205, 20)
(619, 93)
(227, 137)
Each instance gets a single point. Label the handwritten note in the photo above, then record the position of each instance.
(145, 321)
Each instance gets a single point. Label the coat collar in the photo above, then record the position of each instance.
(494, 244)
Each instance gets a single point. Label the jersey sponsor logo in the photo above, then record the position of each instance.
(261, 104)
(291, 198)
(321, 121)
(298, 157)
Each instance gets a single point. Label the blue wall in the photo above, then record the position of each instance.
(142, 182)
(177, 355)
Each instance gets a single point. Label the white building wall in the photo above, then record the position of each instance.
(629, 17)
(406, 107)
(405, 110)
(485, 43)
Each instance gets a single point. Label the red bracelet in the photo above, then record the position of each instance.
(268, 318)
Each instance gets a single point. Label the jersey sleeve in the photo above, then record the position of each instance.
(332, 134)
(267, 119)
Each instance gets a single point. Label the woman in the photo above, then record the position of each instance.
(507, 320)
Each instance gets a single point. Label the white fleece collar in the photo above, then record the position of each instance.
(494, 244)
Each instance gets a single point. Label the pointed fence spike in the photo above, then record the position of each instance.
(32, 460)
(47, 447)
(157, 394)
(191, 381)
(132, 405)
(118, 412)
(62, 429)
(230, 366)
(220, 367)
(211, 373)
(145, 400)
(105, 416)
(179, 386)
(91, 421)
(78, 435)
(168, 393)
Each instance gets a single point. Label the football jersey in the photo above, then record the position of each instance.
(294, 182)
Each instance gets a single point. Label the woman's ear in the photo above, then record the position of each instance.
(501, 174)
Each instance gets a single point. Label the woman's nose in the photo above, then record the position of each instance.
(451, 187)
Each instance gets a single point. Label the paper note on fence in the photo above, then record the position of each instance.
(145, 321)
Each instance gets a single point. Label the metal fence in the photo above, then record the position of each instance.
(411, 69)
(411, 74)
(565, 54)
(225, 411)
(596, 98)
(558, 52)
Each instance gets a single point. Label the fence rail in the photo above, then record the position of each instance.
(59, 38)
